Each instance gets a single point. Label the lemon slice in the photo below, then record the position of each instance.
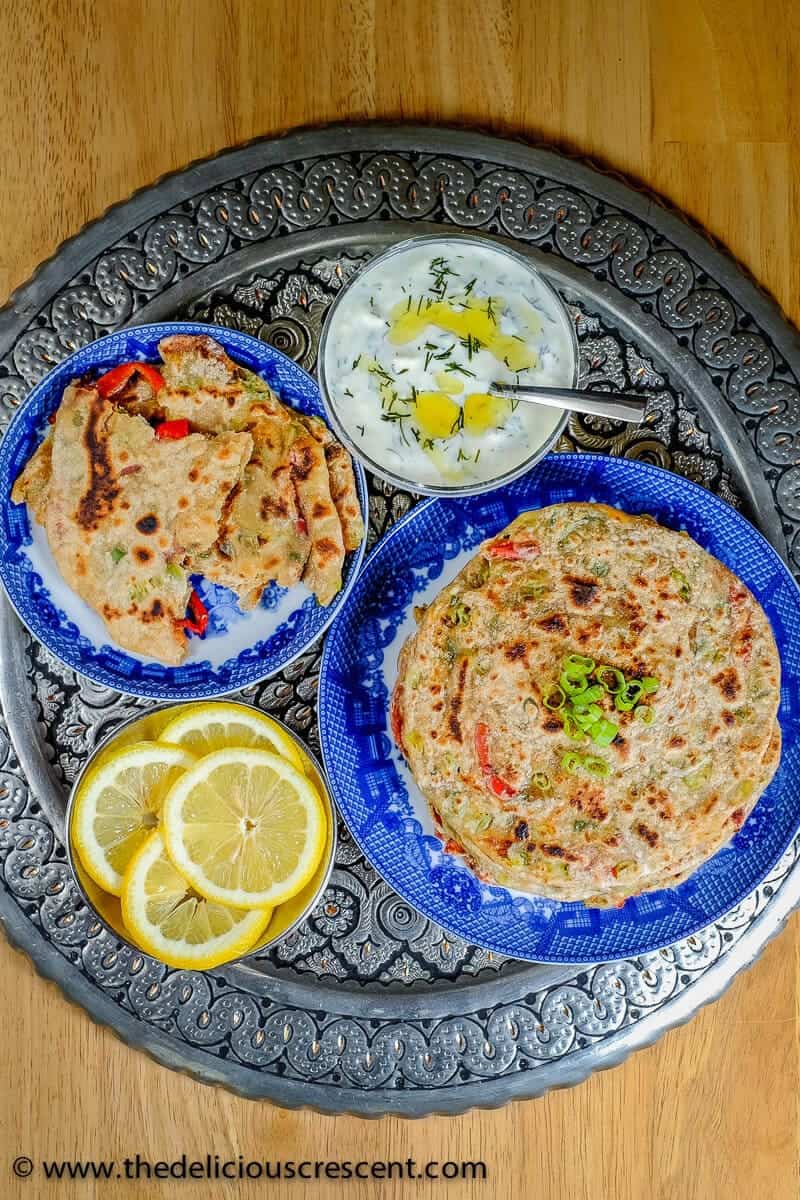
(118, 806)
(168, 920)
(244, 827)
(205, 728)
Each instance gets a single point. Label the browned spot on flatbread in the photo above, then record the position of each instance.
(589, 800)
(553, 624)
(582, 592)
(728, 683)
(743, 643)
(516, 651)
(142, 554)
(456, 700)
(303, 461)
(98, 500)
(148, 524)
(553, 850)
(326, 548)
(321, 509)
(270, 507)
(647, 835)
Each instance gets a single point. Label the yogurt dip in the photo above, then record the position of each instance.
(413, 346)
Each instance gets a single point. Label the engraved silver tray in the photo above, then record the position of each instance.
(368, 1007)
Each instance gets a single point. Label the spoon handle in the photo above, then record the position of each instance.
(619, 406)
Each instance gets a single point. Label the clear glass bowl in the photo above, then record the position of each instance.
(407, 482)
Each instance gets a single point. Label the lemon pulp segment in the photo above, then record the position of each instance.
(170, 921)
(118, 805)
(245, 827)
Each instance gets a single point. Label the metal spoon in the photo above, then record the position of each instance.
(620, 406)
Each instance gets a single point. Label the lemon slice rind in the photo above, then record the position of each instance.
(203, 729)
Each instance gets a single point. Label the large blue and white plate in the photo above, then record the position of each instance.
(239, 648)
(376, 793)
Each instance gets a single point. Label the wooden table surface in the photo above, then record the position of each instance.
(694, 98)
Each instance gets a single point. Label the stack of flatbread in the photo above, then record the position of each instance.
(254, 493)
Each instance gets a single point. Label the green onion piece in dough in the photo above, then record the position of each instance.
(117, 554)
(650, 684)
(573, 763)
(540, 780)
(645, 714)
(597, 767)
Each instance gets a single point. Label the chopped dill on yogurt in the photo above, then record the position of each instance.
(436, 325)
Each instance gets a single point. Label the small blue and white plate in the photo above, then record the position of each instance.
(376, 793)
(239, 648)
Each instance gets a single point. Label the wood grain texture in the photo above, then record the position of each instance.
(696, 98)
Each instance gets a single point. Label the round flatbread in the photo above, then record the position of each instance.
(636, 798)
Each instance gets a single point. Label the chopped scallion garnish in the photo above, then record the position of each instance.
(578, 665)
(603, 732)
(629, 697)
(611, 679)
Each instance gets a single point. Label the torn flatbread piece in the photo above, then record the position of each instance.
(123, 509)
(342, 482)
(31, 486)
(263, 536)
(323, 571)
(206, 387)
(279, 525)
